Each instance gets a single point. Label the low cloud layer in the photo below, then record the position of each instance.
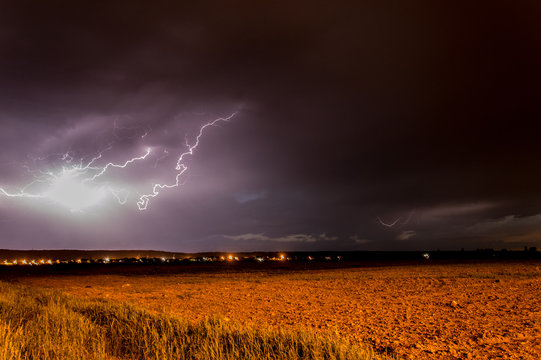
(293, 238)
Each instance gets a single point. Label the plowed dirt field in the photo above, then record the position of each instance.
(474, 311)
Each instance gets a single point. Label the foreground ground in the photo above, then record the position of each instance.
(476, 311)
(48, 325)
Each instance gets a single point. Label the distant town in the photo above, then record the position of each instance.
(155, 260)
(57, 257)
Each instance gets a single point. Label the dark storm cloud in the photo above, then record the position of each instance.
(420, 111)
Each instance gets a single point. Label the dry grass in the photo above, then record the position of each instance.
(44, 324)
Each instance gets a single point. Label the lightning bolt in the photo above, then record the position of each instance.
(121, 166)
(81, 178)
(181, 167)
(396, 222)
(389, 225)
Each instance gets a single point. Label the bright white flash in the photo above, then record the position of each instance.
(78, 186)
(68, 190)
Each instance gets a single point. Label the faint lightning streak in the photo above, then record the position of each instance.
(118, 195)
(67, 157)
(412, 212)
(133, 129)
(389, 225)
(142, 204)
(166, 154)
(23, 191)
(96, 158)
(21, 194)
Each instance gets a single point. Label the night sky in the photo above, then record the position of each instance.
(365, 125)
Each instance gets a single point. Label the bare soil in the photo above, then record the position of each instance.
(473, 311)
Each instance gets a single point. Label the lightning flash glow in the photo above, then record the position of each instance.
(81, 185)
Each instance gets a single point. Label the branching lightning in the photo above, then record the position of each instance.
(81, 184)
(69, 186)
(181, 167)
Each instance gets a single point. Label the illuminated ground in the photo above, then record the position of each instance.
(417, 312)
